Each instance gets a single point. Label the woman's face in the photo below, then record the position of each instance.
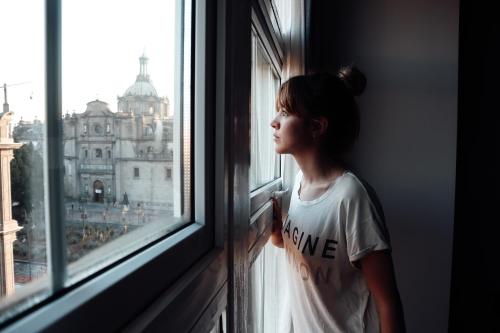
(290, 133)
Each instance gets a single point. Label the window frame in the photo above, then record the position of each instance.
(192, 254)
(260, 213)
(260, 206)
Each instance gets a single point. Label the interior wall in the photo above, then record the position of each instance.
(408, 50)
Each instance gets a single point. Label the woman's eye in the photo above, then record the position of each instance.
(284, 113)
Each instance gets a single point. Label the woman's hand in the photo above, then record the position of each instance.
(276, 237)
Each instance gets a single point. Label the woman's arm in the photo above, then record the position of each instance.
(378, 272)
(276, 237)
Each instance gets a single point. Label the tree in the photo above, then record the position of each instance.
(26, 174)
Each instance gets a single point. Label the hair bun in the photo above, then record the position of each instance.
(353, 79)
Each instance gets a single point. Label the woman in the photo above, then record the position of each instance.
(339, 265)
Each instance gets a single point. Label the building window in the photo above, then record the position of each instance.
(168, 173)
(109, 154)
(86, 153)
(98, 153)
(84, 128)
(136, 172)
(150, 149)
(108, 128)
(98, 129)
(148, 130)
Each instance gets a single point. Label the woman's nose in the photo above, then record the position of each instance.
(275, 124)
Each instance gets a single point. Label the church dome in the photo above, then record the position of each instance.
(142, 85)
(141, 88)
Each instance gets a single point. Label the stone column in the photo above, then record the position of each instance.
(8, 226)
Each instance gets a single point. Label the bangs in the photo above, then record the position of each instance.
(288, 98)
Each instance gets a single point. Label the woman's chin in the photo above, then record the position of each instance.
(279, 150)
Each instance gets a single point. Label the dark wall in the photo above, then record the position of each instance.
(475, 293)
(407, 147)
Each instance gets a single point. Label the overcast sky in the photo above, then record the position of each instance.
(102, 41)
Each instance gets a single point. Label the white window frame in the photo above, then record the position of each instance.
(170, 270)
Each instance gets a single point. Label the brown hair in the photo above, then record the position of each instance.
(330, 96)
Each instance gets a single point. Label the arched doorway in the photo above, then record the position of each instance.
(98, 191)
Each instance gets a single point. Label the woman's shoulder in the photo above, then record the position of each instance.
(356, 190)
(350, 186)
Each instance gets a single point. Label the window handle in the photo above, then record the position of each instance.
(279, 194)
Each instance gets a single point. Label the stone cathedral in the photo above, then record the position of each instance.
(111, 155)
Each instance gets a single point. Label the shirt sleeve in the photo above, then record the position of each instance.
(364, 225)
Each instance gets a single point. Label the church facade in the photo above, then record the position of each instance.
(129, 153)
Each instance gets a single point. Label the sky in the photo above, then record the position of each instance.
(102, 41)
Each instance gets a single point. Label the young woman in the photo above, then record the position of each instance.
(339, 265)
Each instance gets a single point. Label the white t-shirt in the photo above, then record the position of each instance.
(322, 239)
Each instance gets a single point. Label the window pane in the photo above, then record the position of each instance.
(23, 248)
(118, 95)
(268, 304)
(284, 11)
(264, 166)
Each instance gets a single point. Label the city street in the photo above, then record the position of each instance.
(94, 212)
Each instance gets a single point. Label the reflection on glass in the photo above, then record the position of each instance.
(118, 105)
(264, 166)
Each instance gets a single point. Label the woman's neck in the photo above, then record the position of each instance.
(316, 168)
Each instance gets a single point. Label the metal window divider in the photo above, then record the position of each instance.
(54, 217)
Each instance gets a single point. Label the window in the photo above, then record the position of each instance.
(175, 218)
(109, 154)
(148, 130)
(168, 173)
(265, 263)
(108, 128)
(264, 165)
(98, 129)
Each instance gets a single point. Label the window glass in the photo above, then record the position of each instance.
(264, 165)
(267, 299)
(120, 80)
(23, 246)
(284, 12)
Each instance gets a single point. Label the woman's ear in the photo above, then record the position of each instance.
(319, 127)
